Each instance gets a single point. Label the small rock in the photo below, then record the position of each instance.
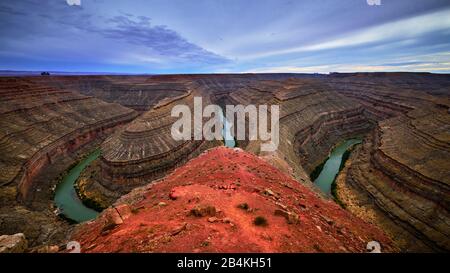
(111, 218)
(328, 220)
(179, 229)
(48, 249)
(266, 237)
(342, 249)
(173, 195)
(203, 210)
(281, 205)
(303, 206)
(226, 220)
(124, 211)
(212, 219)
(162, 204)
(16, 243)
(291, 217)
(269, 192)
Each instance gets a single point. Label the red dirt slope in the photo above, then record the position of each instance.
(210, 204)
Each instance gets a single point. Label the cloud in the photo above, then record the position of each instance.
(55, 32)
(439, 63)
(236, 36)
(160, 39)
(388, 32)
(73, 2)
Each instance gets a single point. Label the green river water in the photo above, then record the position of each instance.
(71, 206)
(331, 167)
(69, 203)
(66, 198)
(226, 132)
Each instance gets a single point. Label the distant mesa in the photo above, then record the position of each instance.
(45, 73)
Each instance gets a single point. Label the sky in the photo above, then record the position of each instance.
(225, 36)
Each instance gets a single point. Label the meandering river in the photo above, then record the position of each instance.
(331, 167)
(66, 198)
(226, 133)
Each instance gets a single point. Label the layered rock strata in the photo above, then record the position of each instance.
(40, 126)
(136, 92)
(145, 149)
(400, 173)
(400, 176)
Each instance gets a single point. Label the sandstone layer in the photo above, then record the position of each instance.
(40, 127)
(401, 173)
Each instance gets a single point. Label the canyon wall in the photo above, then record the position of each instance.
(40, 127)
(135, 92)
(145, 149)
(401, 173)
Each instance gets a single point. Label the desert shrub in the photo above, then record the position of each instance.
(260, 221)
(243, 206)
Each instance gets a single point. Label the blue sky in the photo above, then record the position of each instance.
(206, 36)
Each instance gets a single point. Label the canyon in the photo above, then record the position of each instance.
(394, 188)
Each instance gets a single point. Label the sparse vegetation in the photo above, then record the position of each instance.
(243, 206)
(260, 221)
(334, 193)
(317, 170)
(204, 210)
(134, 210)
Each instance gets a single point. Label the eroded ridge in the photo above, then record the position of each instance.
(227, 200)
(145, 149)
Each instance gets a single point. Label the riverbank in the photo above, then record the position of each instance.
(324, 174)
(66, 197)
(93, 195)
(344, 161)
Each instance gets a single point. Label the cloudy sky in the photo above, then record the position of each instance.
(200, 36)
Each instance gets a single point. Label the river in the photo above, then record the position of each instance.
(66, 198)
(226, 133)
(331, 167)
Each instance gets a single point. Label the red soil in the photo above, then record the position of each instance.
(297, 219)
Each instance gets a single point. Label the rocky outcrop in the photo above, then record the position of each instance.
(40, 124)
(401, 172)
(145, 150)
(226, 200)
(42, 127)
(13, 243)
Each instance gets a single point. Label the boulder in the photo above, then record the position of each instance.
(16, 243)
